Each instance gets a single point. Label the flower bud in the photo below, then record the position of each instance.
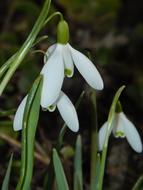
(63, 32)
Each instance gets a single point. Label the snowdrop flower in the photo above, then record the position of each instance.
(61, 59)
(122, 127)
(65, 107)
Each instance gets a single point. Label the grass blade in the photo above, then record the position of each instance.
(94, 142)
(30, 120)
(97, 171)
(139, 184)
(5, 183)
(59, 172)
(78, 181)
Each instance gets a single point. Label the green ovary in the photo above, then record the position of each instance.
(119, 134)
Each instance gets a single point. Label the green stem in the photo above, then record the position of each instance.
(61, 136)
(94, 142)
(26, 46)
(52, 16)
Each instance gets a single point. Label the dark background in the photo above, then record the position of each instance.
(112, 30)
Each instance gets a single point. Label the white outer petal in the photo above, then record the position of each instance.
(53, 76)
(67, 58)
(68, 112)
(87, 69)
(18, 118)
(101, 136)
(49, 52)
(131, 133)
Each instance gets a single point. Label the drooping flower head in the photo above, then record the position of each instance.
(65, 107)
(60, 63)
(122, 127)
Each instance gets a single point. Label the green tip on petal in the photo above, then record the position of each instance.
(52, 108)
(119, 107)
(63, 32)
(68, 72)
(119, 134)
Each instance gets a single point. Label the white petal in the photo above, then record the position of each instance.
(49, 52)
(87, 69)
(118, 129)
(102, 135)
(53, 76)
(68, 62)
(131, 133)
(18, 118)
(68, 112)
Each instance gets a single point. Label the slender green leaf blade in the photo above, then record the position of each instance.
(30, 121)
(59, 172)
(97, 171)
(5, 183)
(94, 141)
(78, 181)
(139, 184)
(20, 55)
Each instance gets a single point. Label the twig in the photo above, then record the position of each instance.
(44, 159)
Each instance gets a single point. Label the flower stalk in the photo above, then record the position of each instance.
(94, 142)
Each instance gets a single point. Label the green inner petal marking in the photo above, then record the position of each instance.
(119, 134)
(51, 107)
(68, 72)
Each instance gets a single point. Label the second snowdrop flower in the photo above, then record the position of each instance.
(61, 60)
(65, 107)
(122, 127)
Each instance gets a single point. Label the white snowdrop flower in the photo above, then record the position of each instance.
(65, 107)
(60, 62)
(122, 127)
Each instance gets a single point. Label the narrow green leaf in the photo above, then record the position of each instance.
(94, 141)
(30, 121)
(78, 179)
(5, 183)
(20, 55)
(139, 184)
(50, 176)
(59, 172)
(97, 171)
